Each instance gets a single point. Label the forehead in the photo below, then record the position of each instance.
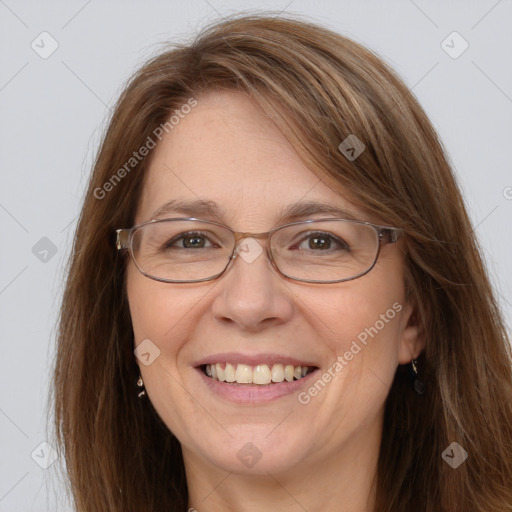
(227, 152)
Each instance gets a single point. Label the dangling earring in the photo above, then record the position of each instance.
(417, 384)
(140, 383)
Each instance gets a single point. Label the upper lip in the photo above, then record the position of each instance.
(252, 359)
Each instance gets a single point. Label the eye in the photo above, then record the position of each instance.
(323, 241)
(189, 240)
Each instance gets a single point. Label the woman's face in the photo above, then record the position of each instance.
(228, 153)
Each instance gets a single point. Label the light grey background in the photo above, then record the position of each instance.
(52, 114)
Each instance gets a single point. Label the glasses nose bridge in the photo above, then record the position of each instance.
(241, 235)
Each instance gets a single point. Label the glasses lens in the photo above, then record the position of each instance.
(182, 250)
(325, 250)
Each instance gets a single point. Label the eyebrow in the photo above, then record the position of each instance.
(203, 208)
(196, 208)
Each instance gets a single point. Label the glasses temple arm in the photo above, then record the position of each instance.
(122, 239)
(390, 235)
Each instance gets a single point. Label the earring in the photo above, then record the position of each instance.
(417, 384)
(140, 383)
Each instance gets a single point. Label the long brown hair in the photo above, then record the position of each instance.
(318, 87)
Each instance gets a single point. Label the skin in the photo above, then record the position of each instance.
(318, 456)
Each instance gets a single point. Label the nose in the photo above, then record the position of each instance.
(251, 294)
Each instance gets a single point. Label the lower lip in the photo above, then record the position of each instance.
(255, 393)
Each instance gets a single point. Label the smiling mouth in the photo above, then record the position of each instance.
(261, 375)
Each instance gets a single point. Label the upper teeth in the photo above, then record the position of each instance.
(259, 374)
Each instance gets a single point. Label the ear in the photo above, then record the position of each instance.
(412, 336)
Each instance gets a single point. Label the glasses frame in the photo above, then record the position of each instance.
(385, 235)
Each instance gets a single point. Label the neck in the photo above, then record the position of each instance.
(344, 481)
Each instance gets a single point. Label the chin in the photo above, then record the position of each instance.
(254, 449)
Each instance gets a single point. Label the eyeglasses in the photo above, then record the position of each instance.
(189, 250)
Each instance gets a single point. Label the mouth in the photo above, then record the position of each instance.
(255, 375)
(260, 375)
(254, 379)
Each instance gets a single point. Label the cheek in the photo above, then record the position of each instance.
(362, 332)
(361, 325)
(158, 310)
(356, 313)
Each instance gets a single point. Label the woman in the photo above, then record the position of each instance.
(275, 299)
